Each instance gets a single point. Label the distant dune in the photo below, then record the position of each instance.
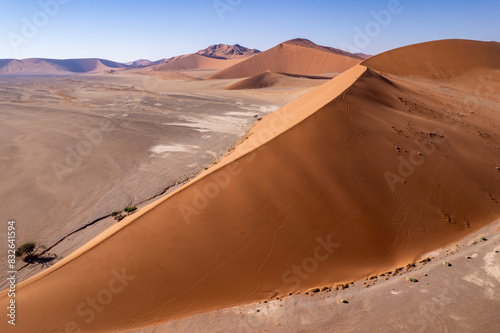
(53, 66)
(365, 173)
(270, 79)
(224, 51)
(298, 56)
(193, 62)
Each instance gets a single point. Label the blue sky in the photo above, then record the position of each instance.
(127, 30)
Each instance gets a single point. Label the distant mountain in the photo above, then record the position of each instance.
(363, 55)
(144, 63)
(55, 66)
(224, 51)
(296, 56)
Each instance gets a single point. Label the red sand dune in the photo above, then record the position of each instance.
(295, 57)
(194, 61)
(312, 197)
(54, 66)
(428, 59)
(270, 79)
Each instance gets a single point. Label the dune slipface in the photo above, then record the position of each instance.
(364, 173)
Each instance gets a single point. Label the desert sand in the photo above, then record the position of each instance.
(363, 174)
(458, 298)
(297, 56)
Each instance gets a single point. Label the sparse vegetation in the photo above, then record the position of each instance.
(344, 301)
(27, 249)
(483, 238)
(468, 257)
(411, 279)
(130, 209)
(446, 264)
(115, 214)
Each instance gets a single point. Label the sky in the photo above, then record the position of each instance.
(128, 30)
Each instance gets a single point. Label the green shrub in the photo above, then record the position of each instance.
(27, 249)
(130, 209)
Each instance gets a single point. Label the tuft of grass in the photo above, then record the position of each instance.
(483, 238)
(446, 264)
(468, 257)
(411, 279)
(344, 301)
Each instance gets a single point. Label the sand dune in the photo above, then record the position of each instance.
(194, 61)
(444, 59)
(295, 57)
(364, 173)
(54, 66)
(270, 79)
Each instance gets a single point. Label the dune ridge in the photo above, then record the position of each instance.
(54, 66)
(312, 175)
(193, 61)
(293, 57)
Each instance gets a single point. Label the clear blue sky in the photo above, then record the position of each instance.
(126, 30)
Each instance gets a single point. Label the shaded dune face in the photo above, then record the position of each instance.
(263, 80)
(365, 173)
